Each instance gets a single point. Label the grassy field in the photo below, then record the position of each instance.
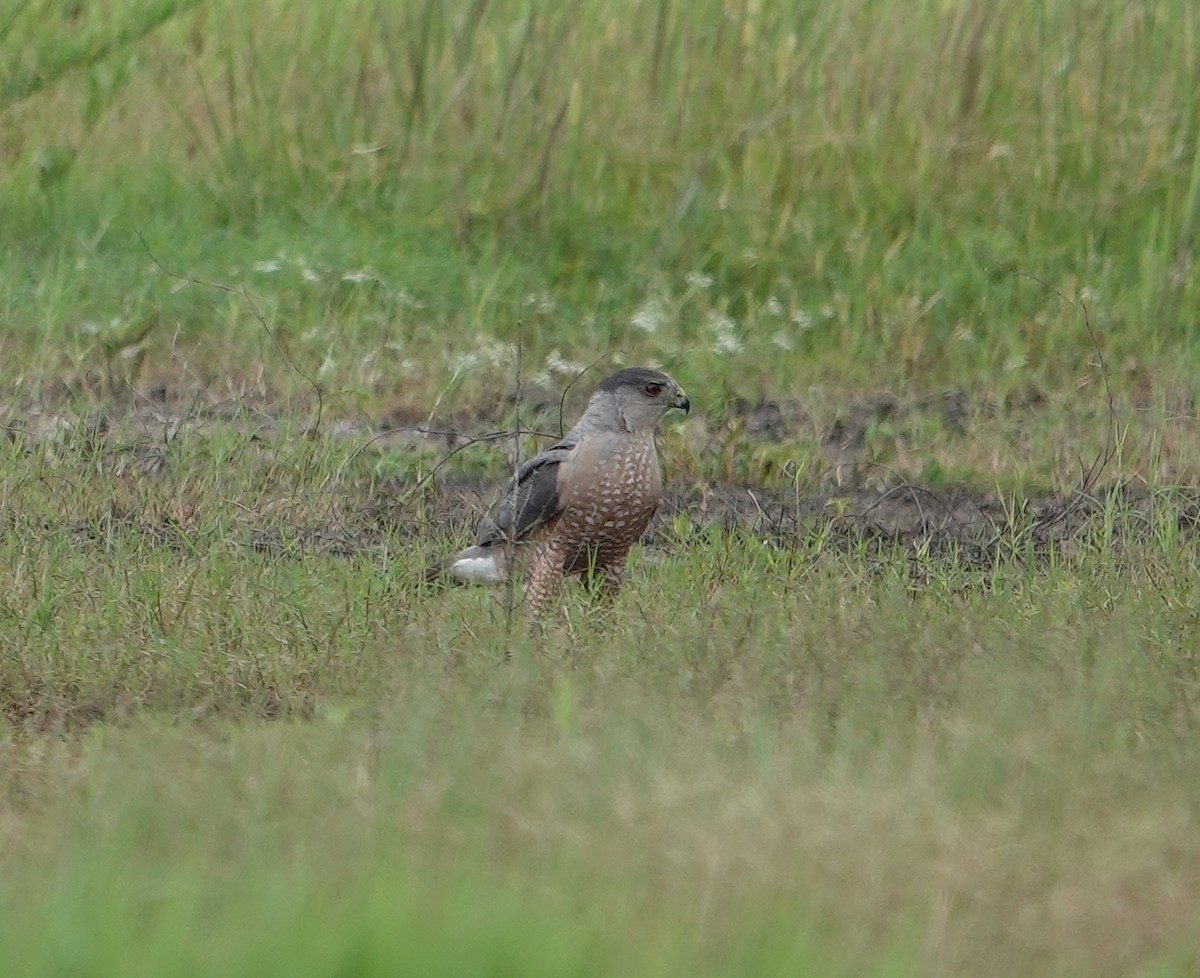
(904, 681)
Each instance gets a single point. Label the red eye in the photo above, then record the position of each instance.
(653, 390)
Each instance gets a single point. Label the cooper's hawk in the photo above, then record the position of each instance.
(581, 504)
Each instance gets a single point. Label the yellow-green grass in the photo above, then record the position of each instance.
(241, 734)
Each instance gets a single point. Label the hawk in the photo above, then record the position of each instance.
(578, 507)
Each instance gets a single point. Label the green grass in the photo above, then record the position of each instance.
(247, 248)
(804, 758)
(274, 878)
(859, 207)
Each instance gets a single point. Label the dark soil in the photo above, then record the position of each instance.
(972, 529)
(959, 522)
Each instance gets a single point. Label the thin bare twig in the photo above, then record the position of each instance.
(257, 313)
(1090, 473)
(478, 439)
(510, 543)
(488, 436)
(562, 428)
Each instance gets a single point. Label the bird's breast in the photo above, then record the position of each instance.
(612, 487)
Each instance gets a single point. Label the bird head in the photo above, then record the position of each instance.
(639, 397)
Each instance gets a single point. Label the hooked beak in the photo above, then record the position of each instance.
(681, 401)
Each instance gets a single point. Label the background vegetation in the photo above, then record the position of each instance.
(246, 247)
(840, 192)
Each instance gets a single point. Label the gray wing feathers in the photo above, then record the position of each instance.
(529, 500)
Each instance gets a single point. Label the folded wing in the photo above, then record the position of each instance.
(530, 500)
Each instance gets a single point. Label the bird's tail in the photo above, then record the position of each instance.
(475, 565)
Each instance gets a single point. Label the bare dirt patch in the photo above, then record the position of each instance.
(857, 504)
